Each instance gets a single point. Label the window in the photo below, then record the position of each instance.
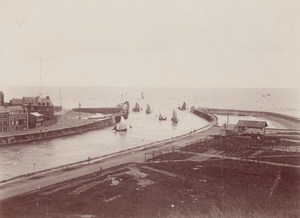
(32, 108)
(24, 111)
(5, 123)
(0, 116)
(0, 123)
(24, 116)
(5, 116)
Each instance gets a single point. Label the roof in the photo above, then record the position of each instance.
(45, 101)
(35, 101)
(16, 101)
(14, 108)
(3, 109)
(252, 123)
(36, 114)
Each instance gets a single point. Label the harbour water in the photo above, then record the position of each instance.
(23, 158)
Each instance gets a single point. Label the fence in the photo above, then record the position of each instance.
(171, 149)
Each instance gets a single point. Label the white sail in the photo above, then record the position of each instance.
(121, 126)
(174, 117)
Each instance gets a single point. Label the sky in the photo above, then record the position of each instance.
(150, 43)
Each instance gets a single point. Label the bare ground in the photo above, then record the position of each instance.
(177, 186)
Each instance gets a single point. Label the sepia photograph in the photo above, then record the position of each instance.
(149, 109)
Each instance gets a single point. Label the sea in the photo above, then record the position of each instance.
(28, 157)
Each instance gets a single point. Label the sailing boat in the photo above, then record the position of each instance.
(142, 94)
(174, 117)
(121, 126)
(136, 108)
(148, 111)
(161, 117)
(183, 107)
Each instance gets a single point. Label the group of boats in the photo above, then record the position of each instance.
(122, 126)
(137, 108)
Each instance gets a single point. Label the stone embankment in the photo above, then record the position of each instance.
(100, 110)
(55, 131)
(287, 120)
(65, 128)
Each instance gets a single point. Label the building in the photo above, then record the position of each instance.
(4, 120)
(35, 119)
(42, 106)
(251, 127)
(17, 118)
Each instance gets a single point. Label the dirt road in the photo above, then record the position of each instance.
(36, 182)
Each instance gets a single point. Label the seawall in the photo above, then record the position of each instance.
(116, 111)
(290, 121)
(56, 132)
(101, 110)
(211, 118)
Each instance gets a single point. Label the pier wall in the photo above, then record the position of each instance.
(104, 110)
(206, 116)
(116, 111)
(291, 121)
(44, 135)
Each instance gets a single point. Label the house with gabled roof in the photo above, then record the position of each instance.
(251, 127)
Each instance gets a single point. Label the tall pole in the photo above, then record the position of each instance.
(41, 93)
(79, 110)
(33, 167)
